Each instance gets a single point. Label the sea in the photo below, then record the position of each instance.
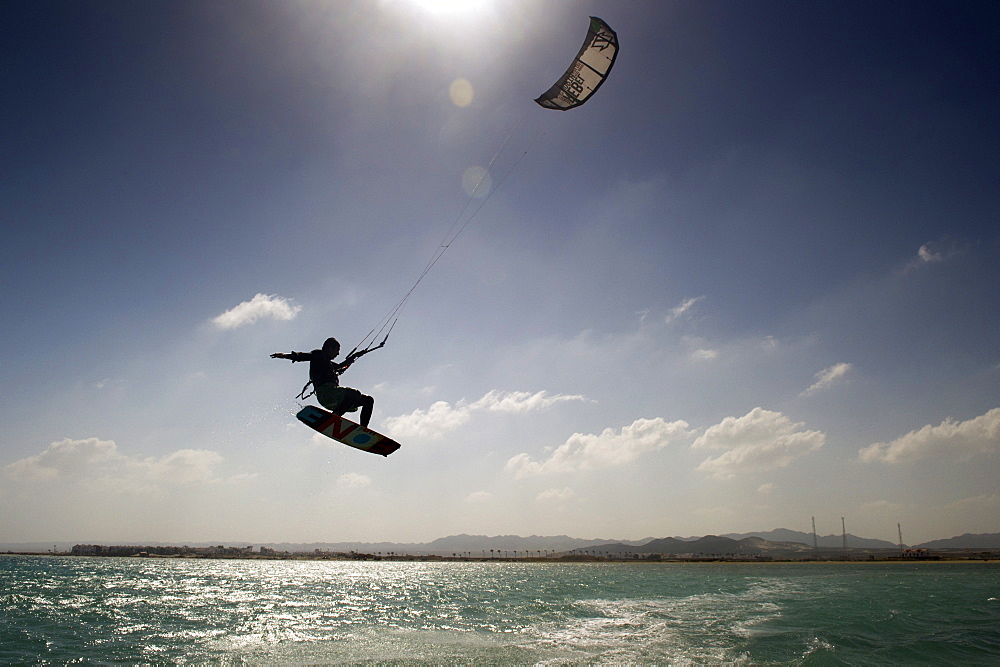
(86, 610)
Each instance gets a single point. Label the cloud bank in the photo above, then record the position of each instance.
(961, 440)
(758, 441)
(65, 459)
(608, 449)
(98, 463)
(442, 417)
(260, 307)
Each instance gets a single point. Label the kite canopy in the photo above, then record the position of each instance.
(588, 71)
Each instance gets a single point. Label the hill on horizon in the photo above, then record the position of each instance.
(708, 545)
(780, 539)
(966, 541)
(823, 541)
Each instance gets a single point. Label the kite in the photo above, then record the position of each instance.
(589, 69)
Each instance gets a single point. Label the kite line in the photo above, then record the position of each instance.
(584, 76)
(386, 324)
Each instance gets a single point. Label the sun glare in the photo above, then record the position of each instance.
(450, 7)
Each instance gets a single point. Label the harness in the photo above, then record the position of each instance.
(351, 358)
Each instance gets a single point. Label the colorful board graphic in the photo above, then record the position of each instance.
(346, 431)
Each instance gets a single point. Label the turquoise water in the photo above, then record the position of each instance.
(132, 610)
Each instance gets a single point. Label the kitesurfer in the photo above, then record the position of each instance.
(324, 375)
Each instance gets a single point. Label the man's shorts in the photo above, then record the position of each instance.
(339, 399)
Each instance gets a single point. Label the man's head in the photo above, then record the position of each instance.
(331, 347)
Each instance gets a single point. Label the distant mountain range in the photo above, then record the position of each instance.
(785, 543)
(708, 545)
(822, 541)
(774, 542)
(981, 541)
(715, 545)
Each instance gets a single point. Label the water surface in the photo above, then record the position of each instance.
(255, 611)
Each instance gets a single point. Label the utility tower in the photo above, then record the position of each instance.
(843, 528)
(900, 529)
(815, 541)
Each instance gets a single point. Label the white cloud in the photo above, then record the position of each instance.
(683, 308)
(479, 497)
(760, 440)
(442, 417)
(828, 376)
(592, 452)
(98, 463)
(185, 466)
(926, 255)
(556, 495)
(766, 489)
(261, 306)
(432, 423)
(962, 440)
(353, 480)
(66, 458)
(108, 383)
(932, 253)
(521, 401)
(704, 355)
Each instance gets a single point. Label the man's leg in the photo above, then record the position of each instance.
(330, 397)
(367, 404)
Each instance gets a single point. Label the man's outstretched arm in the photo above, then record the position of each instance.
(292, 356)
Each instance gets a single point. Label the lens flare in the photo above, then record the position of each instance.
(461, 92)
(476, 182)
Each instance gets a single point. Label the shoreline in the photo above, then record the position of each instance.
(985, 557)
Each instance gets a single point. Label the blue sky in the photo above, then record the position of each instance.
(753, 280)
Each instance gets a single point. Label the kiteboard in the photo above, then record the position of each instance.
(345, 431)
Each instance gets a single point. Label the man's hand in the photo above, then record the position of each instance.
(351, 358)
(281, 355)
